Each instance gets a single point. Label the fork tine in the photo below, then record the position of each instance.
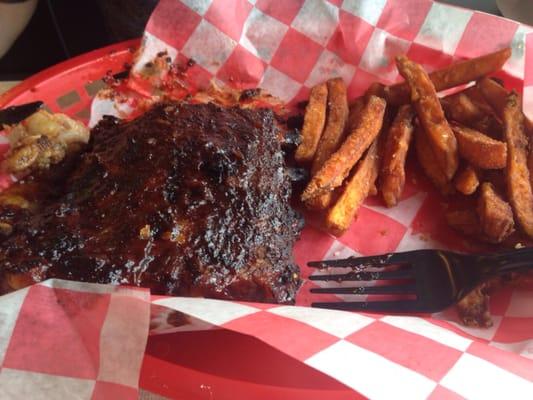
(351, 262)
(365, 276)
(386, 289)
(373, 306)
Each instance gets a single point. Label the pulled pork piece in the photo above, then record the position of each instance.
(43, 139)
(473, 309)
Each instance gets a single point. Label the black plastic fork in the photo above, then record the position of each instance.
(432, 280)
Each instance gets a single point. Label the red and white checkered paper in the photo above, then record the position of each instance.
(70, 340)
(286, 47)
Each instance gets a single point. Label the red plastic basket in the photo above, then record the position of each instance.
(69, 87)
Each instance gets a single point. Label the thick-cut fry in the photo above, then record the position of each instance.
(337, 114)
(495, 215)
(517, 174)
(322, 202)
(459, 107)
(336, 168)
(454, 75)
(474, 94)
(496, 96)
(430, 115)
(314, 121)
(426, 158)
(469, 111)
(494, 93)
(341, 215)
(464, 221)
(467, 180)
(478, 149)
(392, 178)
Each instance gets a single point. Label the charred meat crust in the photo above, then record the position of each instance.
(185, 200)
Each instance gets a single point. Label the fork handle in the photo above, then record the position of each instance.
(510, 261)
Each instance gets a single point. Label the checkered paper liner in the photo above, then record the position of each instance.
(286, 47)
(70, 340)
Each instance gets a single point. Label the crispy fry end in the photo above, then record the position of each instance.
(431, 116)
(314, 121)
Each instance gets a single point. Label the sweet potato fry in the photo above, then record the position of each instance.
(496, 96)
(517, 174)
(474, 94)
(314, 121)
(392, 174)
(464, 221)
(495, 215)
(357, 188)
(337, 114)
(338, 166)
(459, 107)
(494, 93)
(478, 149)
(322, 202)
(467, 180)
(431, 116)
(472, 112)
(454, 75)
(426, 159)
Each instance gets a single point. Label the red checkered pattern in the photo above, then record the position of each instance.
(66, 339)
(89, 340)
(287, 47)
(417, 357)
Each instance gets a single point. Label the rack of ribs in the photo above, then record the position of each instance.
(187, 199)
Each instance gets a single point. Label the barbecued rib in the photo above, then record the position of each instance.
(186, 200)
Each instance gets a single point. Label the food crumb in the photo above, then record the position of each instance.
(144, 233)
(424, 238)
(519, 246)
